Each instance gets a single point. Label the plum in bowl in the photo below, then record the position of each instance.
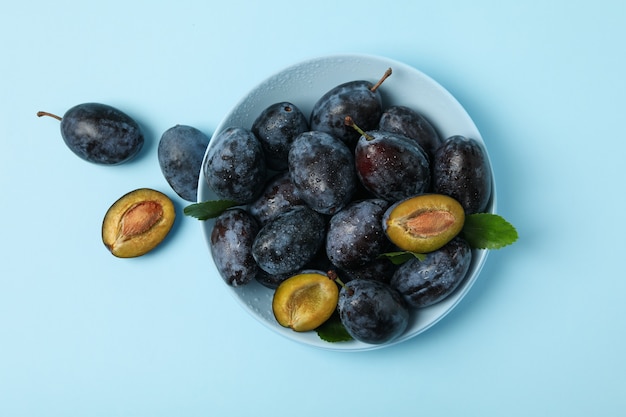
(303, 84)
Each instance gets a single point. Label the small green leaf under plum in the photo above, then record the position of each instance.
(333, 330)
(488, 231)
(208, 209)
(398, 258)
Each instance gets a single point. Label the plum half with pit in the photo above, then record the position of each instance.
(423, 223)
(305, 300)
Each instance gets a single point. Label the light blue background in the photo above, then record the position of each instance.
(86, 334)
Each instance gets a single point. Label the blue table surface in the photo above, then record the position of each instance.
(541, 333)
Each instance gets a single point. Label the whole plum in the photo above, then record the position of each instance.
(391, 166)
(408, 122)
(279, 195)
(319, 262)
(232, 236)
(180, 153)
(425, 282)
(358, 99)
(100, 133)
(276, 128)
(461, 170)
(289, 241)
(376, 269)
(234, 165)
(271, 281)
(355, 234)
(322, 169)
(423, 223)
(372, 311)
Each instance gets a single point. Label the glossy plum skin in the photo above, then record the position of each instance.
(461, 170)
(376, 269)
(424, 283)
(180, 153)
(322, 170)
(391, 166)
(232, 236)
(101, 134)
(355, 234)
(272, 281)
(276, 128)
(279, 195)
(355, 99)
(234, 165)
(290, 241)
(372, 311)
(410, 123)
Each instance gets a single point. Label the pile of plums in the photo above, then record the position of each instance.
(315, 193)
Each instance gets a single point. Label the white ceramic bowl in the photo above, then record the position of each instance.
(302, 84)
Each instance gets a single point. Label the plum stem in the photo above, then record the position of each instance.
(45, 113)
(348, 121)
(382, 80)
(333, 275)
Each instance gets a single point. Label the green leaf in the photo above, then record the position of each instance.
(208, 209)
(488, 231)
(333, 331)
(398, 258)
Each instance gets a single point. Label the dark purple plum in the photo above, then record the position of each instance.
(234, 165)
(290, 241)
(376, 269)
(358, 99)
(461, 170)
(410, 123)
(372, 311)
(279, 195)
(232, 236)
(319, 263)
(180, 153)
(276, 128)
(355, 234)
(100, 133)
(424, 283)
(392, 166)
(271, 281)
(322, 169)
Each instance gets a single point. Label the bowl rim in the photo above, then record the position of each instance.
(241, 109)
